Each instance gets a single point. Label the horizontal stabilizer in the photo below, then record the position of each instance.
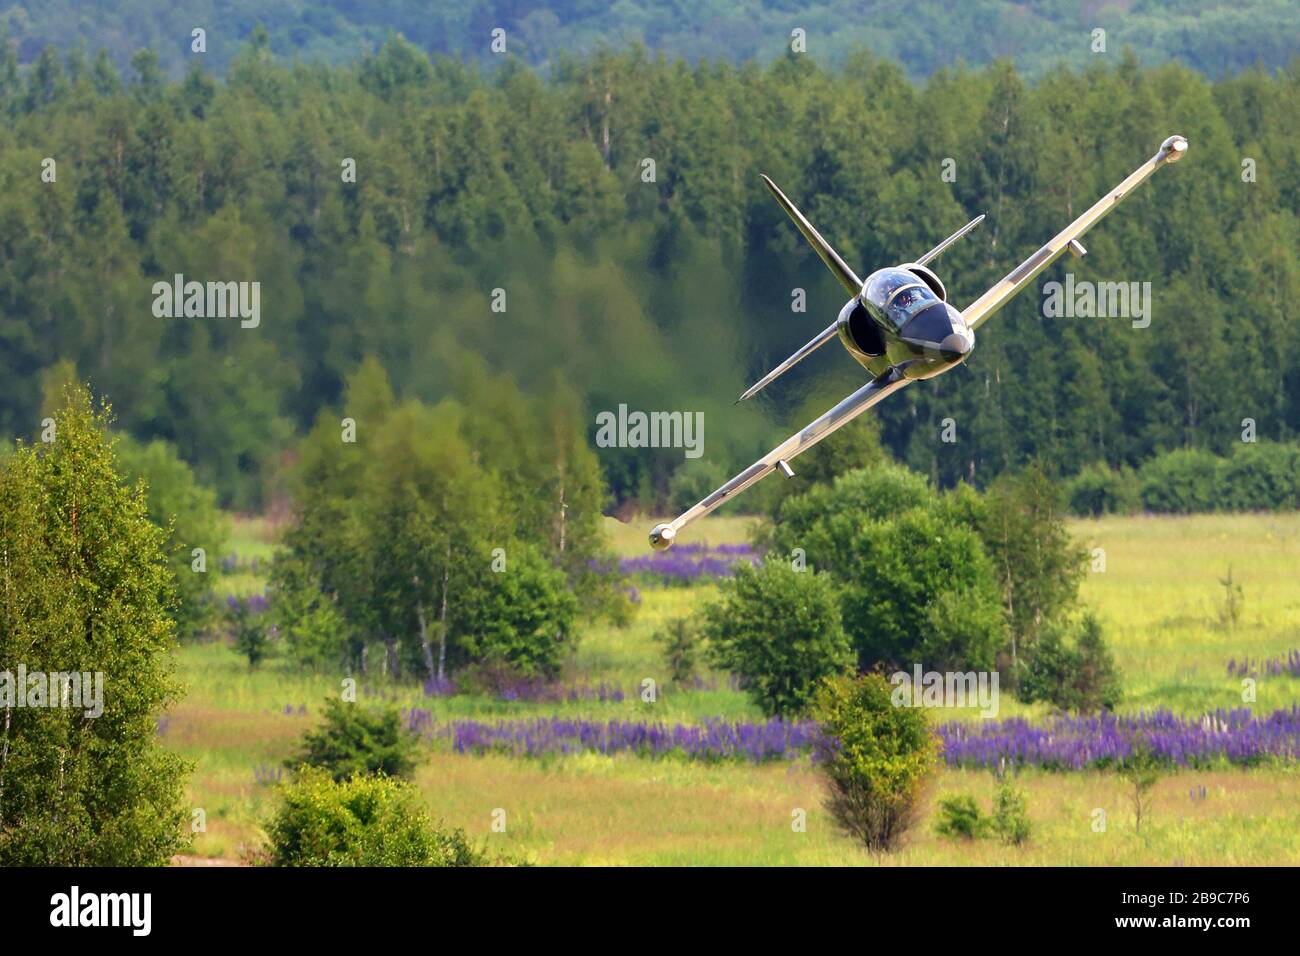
(934, 253)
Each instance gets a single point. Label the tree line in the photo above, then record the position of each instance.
(605, 223)
(1212, 36)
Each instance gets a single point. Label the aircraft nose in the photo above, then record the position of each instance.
(955, 345)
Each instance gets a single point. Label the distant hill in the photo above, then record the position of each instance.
(1212, 36)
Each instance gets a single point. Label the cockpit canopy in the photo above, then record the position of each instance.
(893, 296)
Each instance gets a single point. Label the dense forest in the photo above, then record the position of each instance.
(1212, 36)
(513, 217)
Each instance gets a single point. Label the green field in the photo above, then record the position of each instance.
(1160, 598)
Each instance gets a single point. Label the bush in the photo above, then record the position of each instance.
(1259, 477)
(681, 644)
(1071, 668)
(1100, 490)
(923, 591)
(1180, 482)
(914, 574)
(521, 618)
(824, 519)
(779, 629)
(876, 758)
(960, 817)
(310, 626)
(248, 627)
(361, 821)
(1010, 816)
(352, 740)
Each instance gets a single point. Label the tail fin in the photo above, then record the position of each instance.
(848, 278)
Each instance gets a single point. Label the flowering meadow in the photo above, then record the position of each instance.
(711, 740)
(1288, 665)
(688, 563)
(1061, 742)
(1075, 743)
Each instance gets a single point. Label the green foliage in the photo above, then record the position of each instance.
(1180, 481)
(478, 179)
(693, 481)
(1262, 476)
(1070, 667)
(85, 587)
(188, 510)
(960, 817)
(915, 581)
(1100, 490)
(923, 592)
(360, 821)
(248, 628)
(779, 629)
(1234, 600)
(413, 537)
(353, 740)
(1010, 819)
(877, 761)
(1141, 770)
(1256, 476)
(521, 617)
(310, 627)
(1037, 563)
(681, 642)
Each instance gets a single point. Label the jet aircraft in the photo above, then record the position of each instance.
(900, 327)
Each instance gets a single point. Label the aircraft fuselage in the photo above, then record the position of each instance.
(901, 320)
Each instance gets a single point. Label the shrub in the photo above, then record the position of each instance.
(352, 740)
(904, 558)
(521, 618)
(1259, 477)
(311, 628)
(779, 629)
(876, 758)
(1141, 770)
(248, 628)
(960, 817)
(360, 821)
(681, 645)
(922, 591)
(1180, 482)
(824, 519)
(1071, 668)
(1010, 816)
(1100, 490)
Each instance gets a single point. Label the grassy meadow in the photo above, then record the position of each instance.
(1160, 597)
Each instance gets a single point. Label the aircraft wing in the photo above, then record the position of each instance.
(874, 391)
(1171, 150)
